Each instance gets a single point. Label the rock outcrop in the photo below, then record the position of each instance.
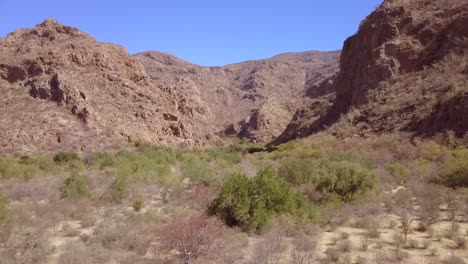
(61, 89)
(404, 70)
(253, 99)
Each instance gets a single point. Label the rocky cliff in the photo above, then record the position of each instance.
(404, 70)
(61, 89)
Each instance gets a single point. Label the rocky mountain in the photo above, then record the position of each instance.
(253, 99)
(61, 89)
(406, 69)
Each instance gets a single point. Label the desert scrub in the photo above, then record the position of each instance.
(340, 177)
(25, 167)
(75, 186)
(137, 205)
(150, 165)
(196, 166)
(299, 171)
(102, 160)
(4, 209)
(250, 203)
(297, 149)
(456, 170)
(119, 189)
(398, 170)
(345, 179)
(64, 157)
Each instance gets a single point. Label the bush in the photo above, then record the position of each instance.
(150, 165)
(345, 179)
(192, 236)
(65, 157)
(250, 203)
(299, 171)
(343, 176)
(4, 210)
(398, 170)
(456, 170)
(119, 189)
(196, 167)
(137, 205)
(24, 167)
(75, 186)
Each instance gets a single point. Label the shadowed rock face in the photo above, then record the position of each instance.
(407, 60)
(236, 99)
(61, 89)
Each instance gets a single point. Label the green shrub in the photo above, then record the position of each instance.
(353, 158)
(150, 165)
(225, 156)
(250, 203)
(24, 167)
(299, 171)
(345, 179)
(398, 170)
(65, 157)
(119, 189)
(75, 186)
(137, 205)
(103, 160)
(196, 167)
(4, 210)
(456, 169)
(340, 177)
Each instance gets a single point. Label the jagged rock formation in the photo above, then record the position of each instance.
(61, 89)
(405, 70)
(253, 99)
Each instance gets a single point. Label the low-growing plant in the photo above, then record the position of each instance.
(191, 236)
(197, 168)
(398, 170)
(137, 205)
(25, 167)
(75, 186)
(64, 157)
(4, 209)
(299, 171)
(119, 189)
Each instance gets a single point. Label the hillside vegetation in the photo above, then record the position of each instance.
(357, 193)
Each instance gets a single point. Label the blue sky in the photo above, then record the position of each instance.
(205, 32)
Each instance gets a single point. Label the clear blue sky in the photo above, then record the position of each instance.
(206, 32)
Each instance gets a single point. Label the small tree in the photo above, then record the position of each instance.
(429, 198)
(191, 236)
(406, 219)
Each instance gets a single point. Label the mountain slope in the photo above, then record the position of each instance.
(61, 89)
(229, 99)
(405, 70)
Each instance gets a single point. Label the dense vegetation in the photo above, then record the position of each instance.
(250, 203)
(319, 181)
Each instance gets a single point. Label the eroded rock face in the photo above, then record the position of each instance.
(407, 59)
(266, 122)
(61, 89)
(263, 92)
